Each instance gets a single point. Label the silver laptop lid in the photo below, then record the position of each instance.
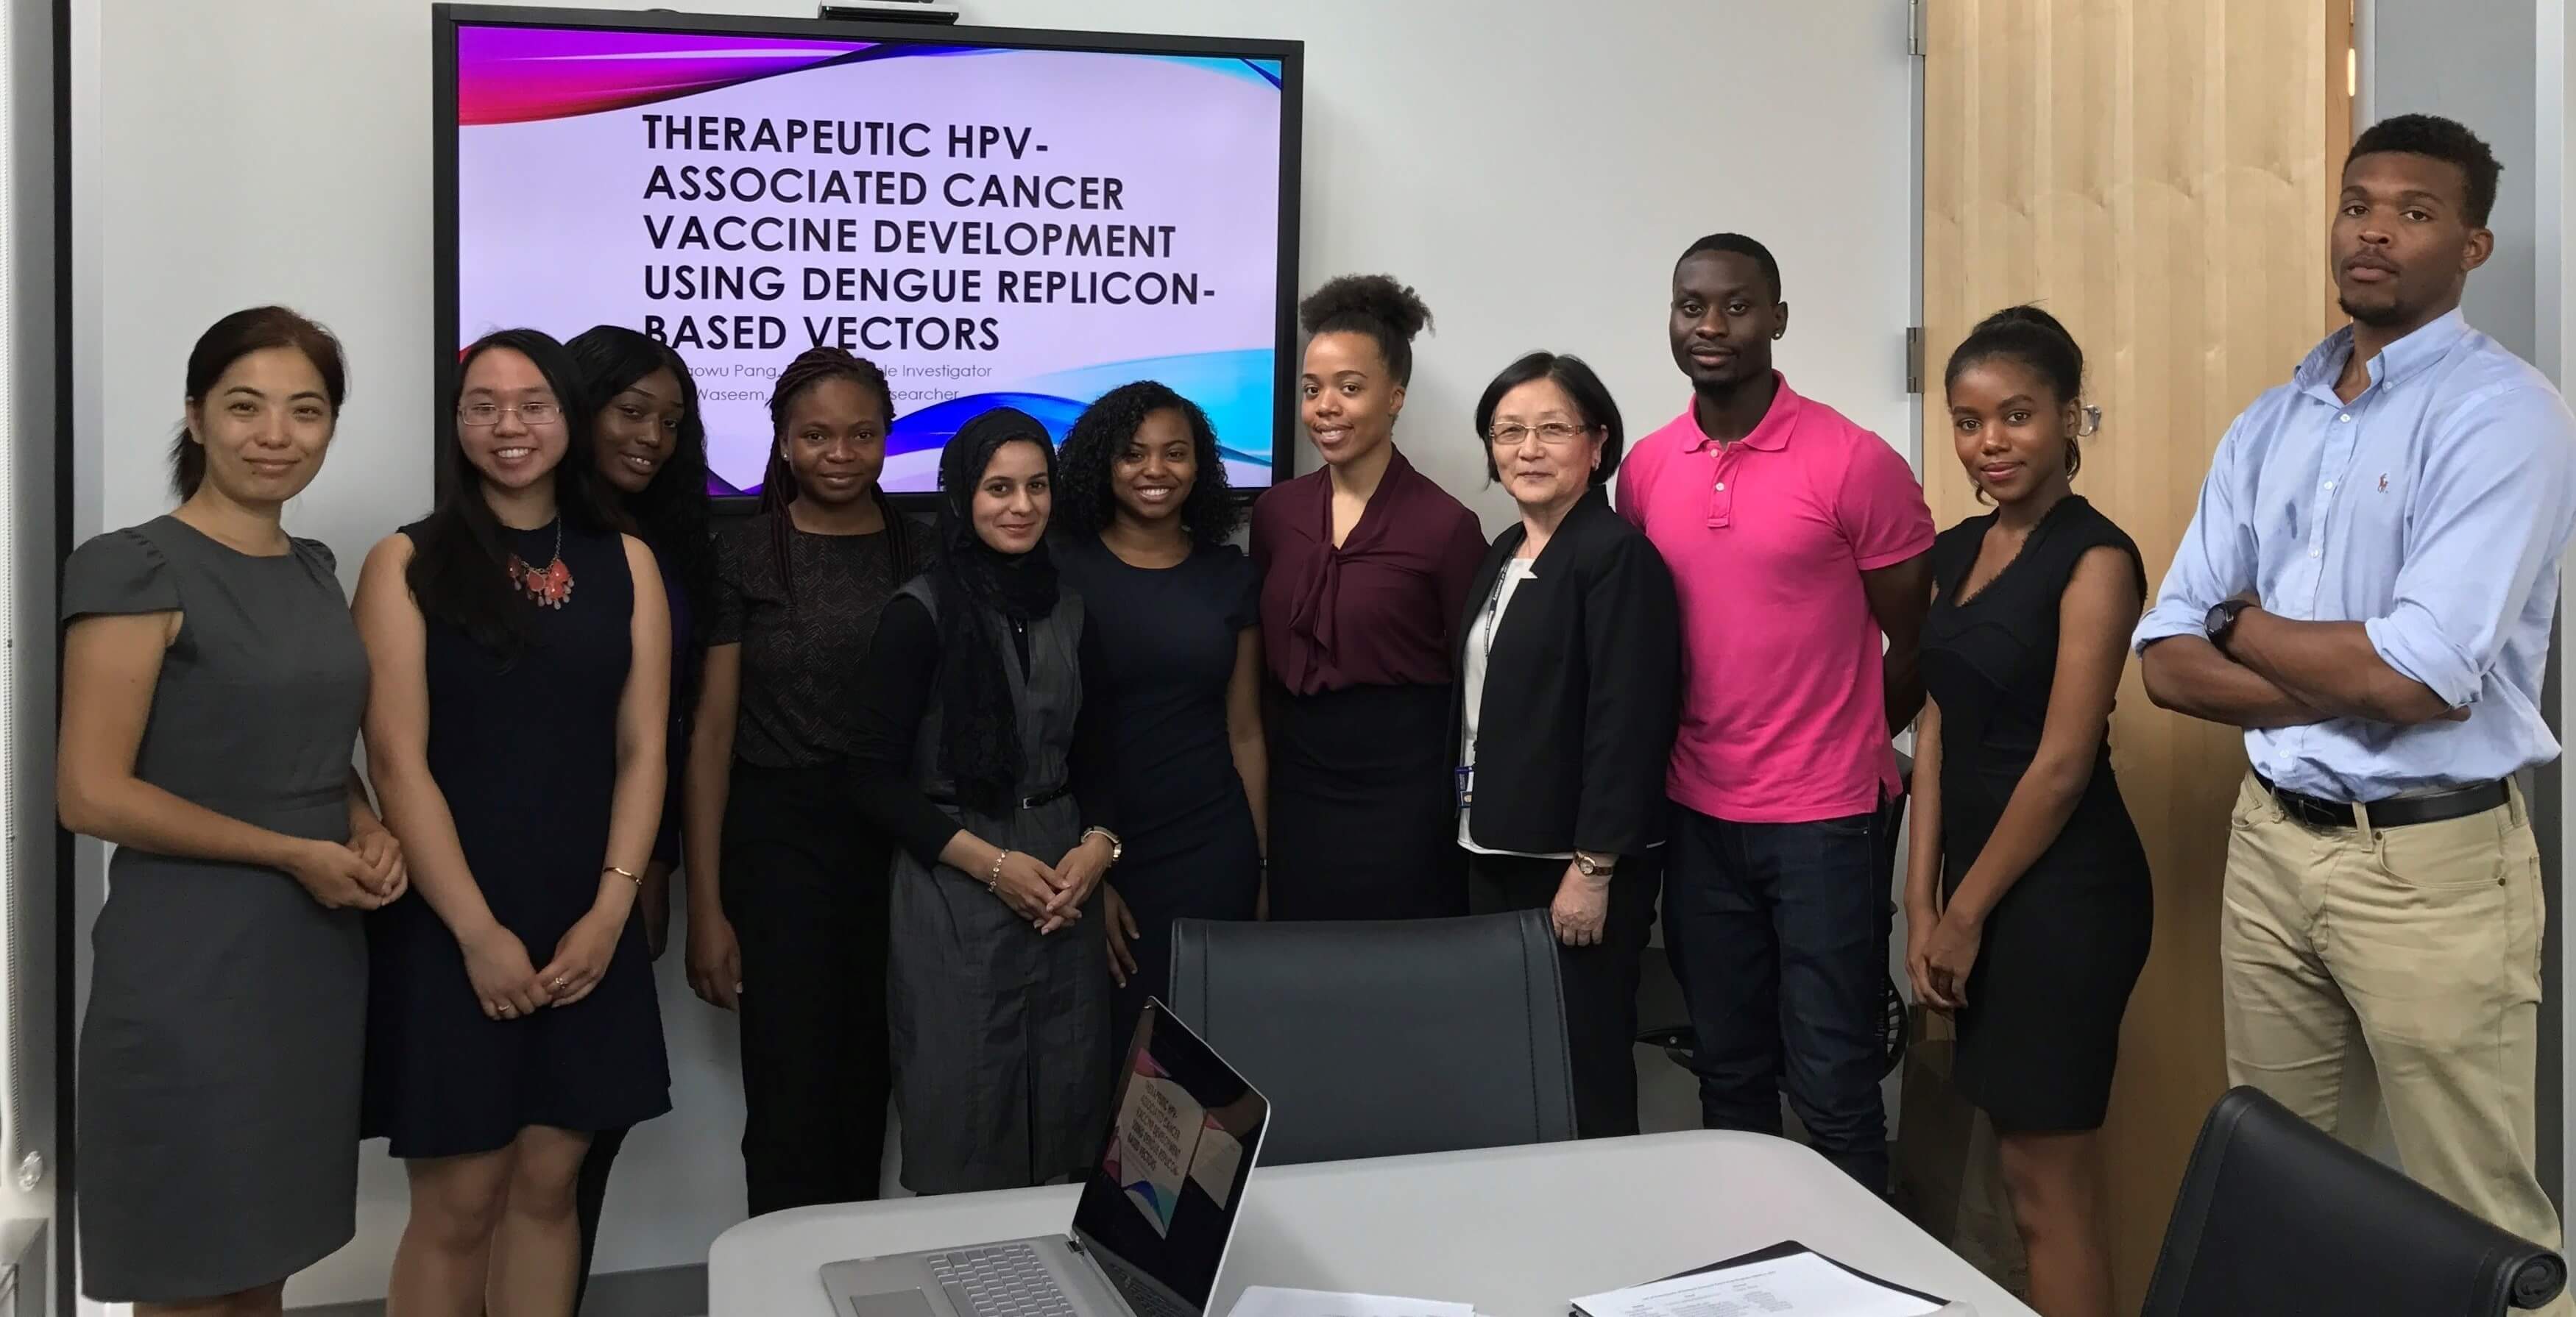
(1184, 1134)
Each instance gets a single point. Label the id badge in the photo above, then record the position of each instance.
(1466, 775)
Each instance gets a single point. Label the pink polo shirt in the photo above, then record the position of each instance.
(1784, 716)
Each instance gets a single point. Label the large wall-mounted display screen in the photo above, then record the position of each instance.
(995, 218)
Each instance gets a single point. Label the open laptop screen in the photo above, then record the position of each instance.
(1164, 1196)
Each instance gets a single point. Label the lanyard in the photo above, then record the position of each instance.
(1494, 606)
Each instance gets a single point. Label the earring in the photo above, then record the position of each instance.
(1778, 334)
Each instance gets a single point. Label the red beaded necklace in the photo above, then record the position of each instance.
(549, 586)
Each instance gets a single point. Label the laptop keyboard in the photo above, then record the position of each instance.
(1001, 1280)
(1143, 1299)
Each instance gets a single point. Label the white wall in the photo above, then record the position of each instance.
(2555, 269)
(1533, 168)
(29, 1156)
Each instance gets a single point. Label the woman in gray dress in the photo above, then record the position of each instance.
(979, 755)
(212, 689)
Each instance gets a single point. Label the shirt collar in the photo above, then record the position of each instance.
(1398, 471)
(2394, 363)
(1770, 436)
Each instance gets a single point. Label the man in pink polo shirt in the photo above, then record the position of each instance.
(1796, 540)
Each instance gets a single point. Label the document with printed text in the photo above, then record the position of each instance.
(1798, 1285)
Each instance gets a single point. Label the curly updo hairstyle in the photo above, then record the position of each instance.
(1390, 313)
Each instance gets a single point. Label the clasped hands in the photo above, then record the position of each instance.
(1051, 897)
(1940, 950)
(507, 986)
(364, 873)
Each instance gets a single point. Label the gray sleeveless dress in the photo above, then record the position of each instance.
(221, 1053)
(1001, 1073)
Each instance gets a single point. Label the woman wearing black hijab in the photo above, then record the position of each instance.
(977, 753)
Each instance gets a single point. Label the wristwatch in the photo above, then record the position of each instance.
(2221, 622)
(1116, 847)
(1595, 866)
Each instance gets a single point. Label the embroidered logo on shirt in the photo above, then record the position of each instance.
(2383, 482)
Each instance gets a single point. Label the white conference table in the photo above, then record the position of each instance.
(1515, 1231)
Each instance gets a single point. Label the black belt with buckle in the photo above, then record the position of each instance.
(1046, 797)
(2394, 812)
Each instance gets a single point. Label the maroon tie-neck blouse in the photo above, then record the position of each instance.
(1382, 609)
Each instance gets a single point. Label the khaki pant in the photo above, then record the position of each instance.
(2396, 966)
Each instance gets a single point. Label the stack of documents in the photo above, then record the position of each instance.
(1788, 1281)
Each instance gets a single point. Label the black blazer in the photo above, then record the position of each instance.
(1582, 691)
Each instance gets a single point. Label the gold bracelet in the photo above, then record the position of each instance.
(993, 880)
(627, 874)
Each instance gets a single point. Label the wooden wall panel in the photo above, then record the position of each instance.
(2160, 177)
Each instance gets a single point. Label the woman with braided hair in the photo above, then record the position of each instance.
(786, 883)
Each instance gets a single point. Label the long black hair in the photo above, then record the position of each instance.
(1085, 502)
(459, 563)
(778, 482)
(672, 511)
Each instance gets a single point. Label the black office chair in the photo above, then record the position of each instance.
(1378, 1039)
(2277, 1217)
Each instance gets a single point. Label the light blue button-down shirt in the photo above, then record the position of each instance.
(2432, 509)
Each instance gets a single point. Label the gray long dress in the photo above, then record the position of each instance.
(221, 1053)
(1001, 1075)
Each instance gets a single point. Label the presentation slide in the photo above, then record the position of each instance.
(992, 226)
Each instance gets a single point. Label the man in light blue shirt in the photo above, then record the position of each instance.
(2367, 589)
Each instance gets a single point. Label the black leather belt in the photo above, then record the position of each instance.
(2394, 812)
(1046, 797)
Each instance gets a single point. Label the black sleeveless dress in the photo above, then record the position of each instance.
(2063, 948)
(526, 754)
(1169, 635)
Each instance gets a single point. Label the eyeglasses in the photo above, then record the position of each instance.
(484, 415)
(1555, 434)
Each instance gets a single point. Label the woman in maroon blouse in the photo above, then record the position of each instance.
(1365, 566)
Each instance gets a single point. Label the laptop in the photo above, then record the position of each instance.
(1157, 1211)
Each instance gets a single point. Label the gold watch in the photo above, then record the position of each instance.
(1117, 848)
(1595, 866)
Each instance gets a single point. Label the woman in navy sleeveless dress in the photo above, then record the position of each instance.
(2028, 900)
(521, 658)
(1142, 521)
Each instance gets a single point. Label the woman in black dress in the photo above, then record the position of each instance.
(212, 687)
(2028, 903)
(519, 651)
(650, 448)
(787, 883)
(1143, 517)
(980, 755)
(1364, 569)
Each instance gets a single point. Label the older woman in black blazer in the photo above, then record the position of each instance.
(1569, 663)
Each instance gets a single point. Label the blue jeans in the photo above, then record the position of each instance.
(1776, 933)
